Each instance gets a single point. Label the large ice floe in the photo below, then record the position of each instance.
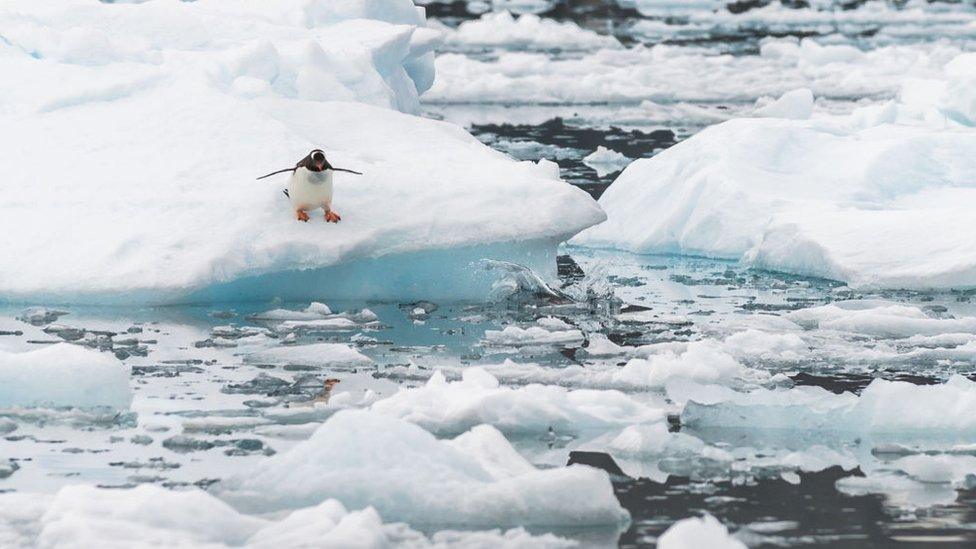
(149, 516)
(363, 458)
(134, 132)
(879, 198)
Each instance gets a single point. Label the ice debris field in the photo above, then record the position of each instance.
(649, 272)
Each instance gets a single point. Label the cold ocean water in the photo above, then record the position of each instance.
(797, 411)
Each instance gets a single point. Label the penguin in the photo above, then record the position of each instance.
(310, 186)
(326, 393)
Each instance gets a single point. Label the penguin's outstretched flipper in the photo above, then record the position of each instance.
(279, 171)
(345, 170)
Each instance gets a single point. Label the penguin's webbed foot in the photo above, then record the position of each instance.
(301, 215)
(332, 217)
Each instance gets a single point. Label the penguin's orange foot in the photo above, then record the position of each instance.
(332, 217)
(301, 215)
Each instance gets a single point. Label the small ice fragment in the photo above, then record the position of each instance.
(606, 161)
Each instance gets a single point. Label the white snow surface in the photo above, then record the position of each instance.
(63, 375)
(82, 516)
(363, 458)
(880, 198)
(160, 115)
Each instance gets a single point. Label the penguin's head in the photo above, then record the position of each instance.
(331, 382)
(317, 160)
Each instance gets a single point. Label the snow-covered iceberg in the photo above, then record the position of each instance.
(133, 134)
(362, 458)
(878, 198)
(63, 375)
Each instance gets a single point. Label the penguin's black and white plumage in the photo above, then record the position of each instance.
(310, 186)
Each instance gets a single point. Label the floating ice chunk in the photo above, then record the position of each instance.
(899, 490)
(943, 408)
(937, 468)
(653, 439)
(880, 319)
(314, 311)
(444, 407)
(553, 324)
(407, 474)
(63, 375)
(527, 32)
(814, 197)
(318, 325)
(703, 361)
(606, 161)
(757, 345)
(796, 104)
(323, 355)
(601, 346)
(692, 533)
(533, 335)
(40, 315)
(222, 424)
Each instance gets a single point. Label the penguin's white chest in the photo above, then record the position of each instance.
(309, 190)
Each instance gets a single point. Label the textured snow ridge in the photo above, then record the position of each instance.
(81, 516)
(880, 198)
(949, 407)
(192, 101)
(363, 458)
(63, 375)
